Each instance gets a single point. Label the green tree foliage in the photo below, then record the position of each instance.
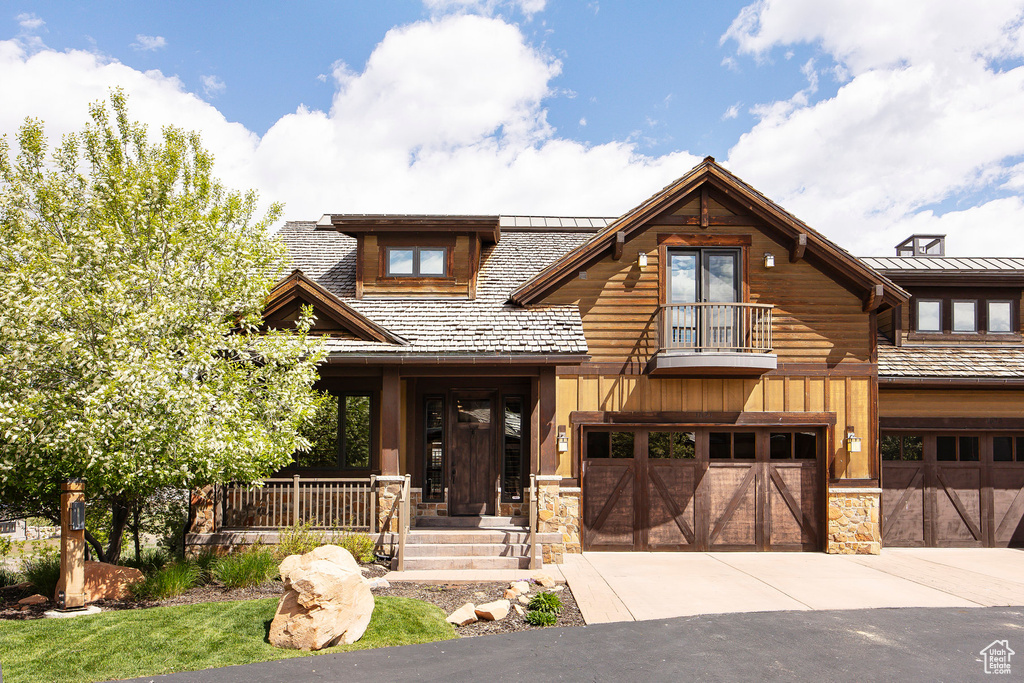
(132, 351)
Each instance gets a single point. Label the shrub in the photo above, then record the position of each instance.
(298, 539)
(9, 577)
(168, 582)
(43, 572)
(150, 562)
(546, 601)
(246, 569)
(205, 561)
(538, 618)
(360, 545)
(5, 547)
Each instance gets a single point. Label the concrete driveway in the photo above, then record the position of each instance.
(639, 586)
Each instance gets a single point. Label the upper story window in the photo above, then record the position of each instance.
(416, 261)
(699, 275)
(929, 315)
(954, 314)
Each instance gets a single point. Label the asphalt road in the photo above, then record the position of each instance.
(911, 644)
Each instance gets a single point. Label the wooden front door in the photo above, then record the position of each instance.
(702, 489)
(471, 477)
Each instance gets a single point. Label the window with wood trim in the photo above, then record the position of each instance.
(899, 447)
(1000, 316)
(929, 315)
(416, 261)
(339, 434)
(512, 441)
(965, 316)
(433, 448)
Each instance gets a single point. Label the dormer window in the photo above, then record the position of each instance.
(416, 261)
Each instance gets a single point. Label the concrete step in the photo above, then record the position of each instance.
(481, 522)
(467, 562)
(467, 550)
(460, 536)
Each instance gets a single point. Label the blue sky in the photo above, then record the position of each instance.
(868, 121)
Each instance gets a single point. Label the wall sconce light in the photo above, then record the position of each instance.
(641, 259)
(769, 259)
(563, 440)
(852, 441)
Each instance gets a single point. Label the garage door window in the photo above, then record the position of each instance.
(954, 448)
(793, 445)
(906, 447)
(671, 445)
(610, 445)
(1004, 450)
(732, 445)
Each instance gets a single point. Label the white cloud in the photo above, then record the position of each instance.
(732, 112)
(923, 117)
(583, 121)
(447, 116)
(212, 85)
(486, 7)
(146, 43)
(29, 22)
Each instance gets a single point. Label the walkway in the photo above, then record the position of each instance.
(611, 587)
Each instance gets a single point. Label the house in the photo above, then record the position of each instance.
(704, 372)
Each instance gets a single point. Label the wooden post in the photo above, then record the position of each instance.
(390, 422)
(533, 521)
(70, 593)
(295, 500)
(548, 441)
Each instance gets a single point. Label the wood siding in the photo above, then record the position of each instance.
(950, 403)
(461, 282)
(849, 398)
(815, 319)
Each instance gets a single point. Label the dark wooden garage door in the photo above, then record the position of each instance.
(952, 490)
(701, 489)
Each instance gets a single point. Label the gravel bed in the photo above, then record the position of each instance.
(451, 596)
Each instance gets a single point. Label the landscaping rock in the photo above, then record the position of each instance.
(108, 581)
(520, 610)
(520, 587)
(379, 582)
(326, 602)
(463, 616)
(525, 599)
(493, 611)
(36, 599)
(544, 580)
(510, 594)
(558, 589)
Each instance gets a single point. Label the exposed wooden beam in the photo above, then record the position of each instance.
(390, 422)
(796, 252)
(874, 299)
(620, 245)
(704, 206)
(695, 220)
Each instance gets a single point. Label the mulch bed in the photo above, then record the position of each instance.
(449, 597)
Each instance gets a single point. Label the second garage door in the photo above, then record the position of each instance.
(702, 489)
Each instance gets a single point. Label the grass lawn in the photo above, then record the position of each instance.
(163, 640)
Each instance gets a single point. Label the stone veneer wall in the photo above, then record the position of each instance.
(558, 511)
(388, 489)
(854, 521)
(421, 509)
(204, 510)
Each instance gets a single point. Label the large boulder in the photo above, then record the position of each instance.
(326, 602)
(108, 581)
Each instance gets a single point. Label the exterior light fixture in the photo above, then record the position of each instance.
(769, 259)
(852, 441)
(641, 259)
(563, 440)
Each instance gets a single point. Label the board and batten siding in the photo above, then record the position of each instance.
(815, 320)
(949, 403)
(849, 397)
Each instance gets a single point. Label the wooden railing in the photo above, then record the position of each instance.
(533, 521)
(706, 326)
(323, 503)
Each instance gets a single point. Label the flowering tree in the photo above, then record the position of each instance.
(132, 351)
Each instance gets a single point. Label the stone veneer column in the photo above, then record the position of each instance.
(388, 489)
(558, 511)
(854, 521)
(204, 510)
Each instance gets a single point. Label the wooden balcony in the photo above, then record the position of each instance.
(710, 338)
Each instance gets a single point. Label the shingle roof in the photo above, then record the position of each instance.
(911, 361)
(945, 264)
(487, 324)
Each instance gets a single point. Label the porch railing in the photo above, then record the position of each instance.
(323, 503)
(404, 521)
(707, 326)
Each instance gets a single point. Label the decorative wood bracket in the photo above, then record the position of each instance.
(874, 299)
(796, 251)
(620, 243)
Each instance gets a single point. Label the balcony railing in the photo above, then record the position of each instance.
(323, 503)
(710, 327)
